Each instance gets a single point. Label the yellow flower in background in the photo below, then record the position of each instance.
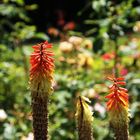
(85, 60)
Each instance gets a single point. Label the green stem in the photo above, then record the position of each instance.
(116, 59)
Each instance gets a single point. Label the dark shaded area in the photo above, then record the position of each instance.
(55, 12)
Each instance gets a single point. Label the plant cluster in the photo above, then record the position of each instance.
(79, 71)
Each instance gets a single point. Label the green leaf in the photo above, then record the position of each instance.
(42, 36)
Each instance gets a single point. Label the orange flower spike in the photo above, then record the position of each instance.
(41, 78)
(42, 67)
(120, 79)
(118, 106)
(41, 58)
(117, 93)
(123, 89)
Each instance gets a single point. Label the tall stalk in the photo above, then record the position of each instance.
(84, 119)
(118, 107)
(41, 71)
(116, 59)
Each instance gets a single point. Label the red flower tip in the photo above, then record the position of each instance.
(108, 56)
(42, 63)
(118, 95)
(70, 26)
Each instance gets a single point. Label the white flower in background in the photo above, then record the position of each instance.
(75, 40)
(65, 47)
(101, 109)
(29, 137)
(3, 115)
(136, 28)
(133, 44)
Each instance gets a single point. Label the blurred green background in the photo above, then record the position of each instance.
(86, 36)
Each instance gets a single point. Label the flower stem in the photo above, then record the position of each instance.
(118, 108)
(41, 78)
(84, 119)
(121, 131)
(40, 117)
(116, 59)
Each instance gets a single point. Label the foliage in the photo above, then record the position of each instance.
(78, 71)
(14, 31)
(72, 80)
(109, 19)
(15, 25)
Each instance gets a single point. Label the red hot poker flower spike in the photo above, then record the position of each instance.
(117, 107)
(118, 95)
(42, 67)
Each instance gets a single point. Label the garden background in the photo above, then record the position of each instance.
(91, 38)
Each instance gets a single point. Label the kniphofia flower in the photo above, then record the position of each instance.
(42, 68)
(118, 107)
(84, 119)
(41, 78)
